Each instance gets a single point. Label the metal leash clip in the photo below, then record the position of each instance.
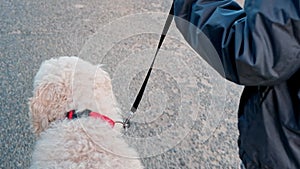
(126, 122)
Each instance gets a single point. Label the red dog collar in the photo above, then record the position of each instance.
(73, 114)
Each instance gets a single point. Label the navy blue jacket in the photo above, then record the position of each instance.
(258, 47)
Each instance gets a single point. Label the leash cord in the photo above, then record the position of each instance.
(138, 98)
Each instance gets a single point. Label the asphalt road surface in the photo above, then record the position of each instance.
(193, 102)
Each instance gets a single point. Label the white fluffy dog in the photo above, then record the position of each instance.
(69, 83)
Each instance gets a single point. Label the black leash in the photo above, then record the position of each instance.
(126, 122)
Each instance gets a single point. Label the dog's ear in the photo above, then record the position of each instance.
(48, 104)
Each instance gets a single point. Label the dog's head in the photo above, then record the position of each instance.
(69, 83)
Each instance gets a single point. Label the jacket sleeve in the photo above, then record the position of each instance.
(257, 45)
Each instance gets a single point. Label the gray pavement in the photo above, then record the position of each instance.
(115, 33)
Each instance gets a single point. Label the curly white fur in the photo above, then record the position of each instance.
(69, 83)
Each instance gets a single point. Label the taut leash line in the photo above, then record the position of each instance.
(126, 122)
